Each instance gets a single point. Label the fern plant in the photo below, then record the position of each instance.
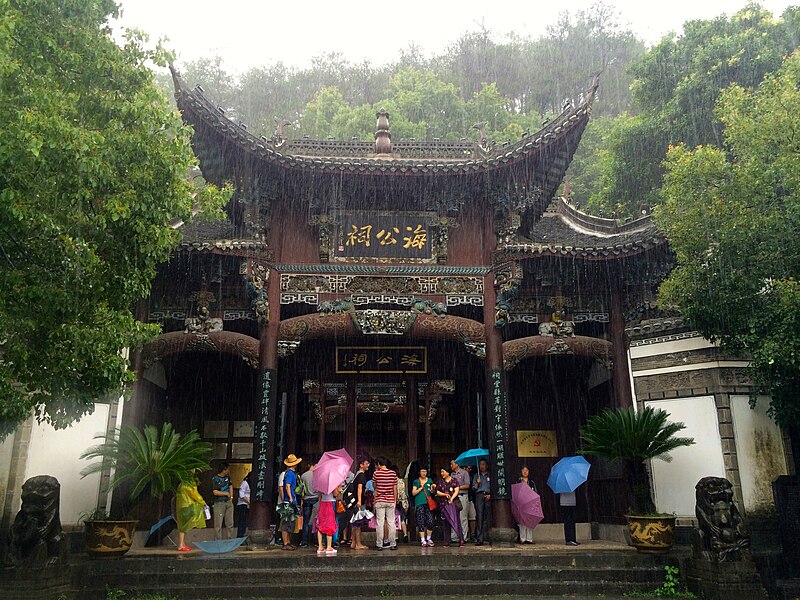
(149, 460)
(633, 437)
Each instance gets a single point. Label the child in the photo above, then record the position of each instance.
(326, 522)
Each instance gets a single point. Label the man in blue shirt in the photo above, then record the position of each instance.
(223, 501)
(482, 486)
(292, 505)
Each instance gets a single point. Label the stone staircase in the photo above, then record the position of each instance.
(407, 573)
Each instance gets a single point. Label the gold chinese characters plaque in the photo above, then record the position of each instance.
(538, 443)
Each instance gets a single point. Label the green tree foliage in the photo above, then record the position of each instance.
(93, 165)
(512, 83)
(632, 437)
(149, 460)
(576, 48)
(732, 217)
(676, 86)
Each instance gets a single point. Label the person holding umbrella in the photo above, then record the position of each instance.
(565, 477)
(525, 532)
(326, 521)
(447, 492)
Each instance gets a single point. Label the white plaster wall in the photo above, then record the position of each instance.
(759, 449)
(6, 449)
(674, 481)
(55, 452)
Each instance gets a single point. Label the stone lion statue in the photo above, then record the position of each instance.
(35, 538)
(721, 535)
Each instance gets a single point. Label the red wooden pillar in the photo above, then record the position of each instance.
(427, 431)
(264, 490)
(621, 373)
(412, 420)
(351, 420)
(321, 430)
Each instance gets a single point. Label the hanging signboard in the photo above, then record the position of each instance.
(246, 429)
(538, 443)
(389, 359)
(398, 235)
(215, 430)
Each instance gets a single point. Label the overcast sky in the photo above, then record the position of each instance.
(248, 33)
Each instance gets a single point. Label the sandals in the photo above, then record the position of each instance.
(184, 549)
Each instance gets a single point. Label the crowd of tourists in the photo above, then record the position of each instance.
(376, 497)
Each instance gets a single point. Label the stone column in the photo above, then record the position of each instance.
(412, 420)
(621, 373)
(264, 491)
(496, 402)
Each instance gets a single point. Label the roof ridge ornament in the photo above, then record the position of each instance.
(383, 138)
(483, 141)
(279, 137)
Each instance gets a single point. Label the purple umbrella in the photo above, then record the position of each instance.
(331, 470)
(526, 505)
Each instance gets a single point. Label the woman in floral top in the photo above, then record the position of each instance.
(447, 490)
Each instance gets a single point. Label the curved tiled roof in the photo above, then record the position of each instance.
(203, 235)
(549, 150)
(564, 231)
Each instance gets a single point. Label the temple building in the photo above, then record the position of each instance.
(413, 299)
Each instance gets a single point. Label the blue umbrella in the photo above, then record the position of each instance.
(471, 457)
(220, 546)
(159, 531)
(568, 473)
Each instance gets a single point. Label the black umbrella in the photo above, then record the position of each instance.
(159, 531)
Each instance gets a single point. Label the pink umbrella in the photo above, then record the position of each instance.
(331, 470)
(526, 505)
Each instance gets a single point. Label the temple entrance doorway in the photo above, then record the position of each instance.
(401, 419)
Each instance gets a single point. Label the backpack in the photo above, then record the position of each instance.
(300, 489)
(350, 493)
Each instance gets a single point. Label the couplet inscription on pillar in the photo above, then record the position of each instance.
(498, 437)
(265, 434)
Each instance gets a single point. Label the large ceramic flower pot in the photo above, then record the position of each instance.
(109, 539)
(651, 535)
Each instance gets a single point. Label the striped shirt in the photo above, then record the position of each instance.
(384, 481)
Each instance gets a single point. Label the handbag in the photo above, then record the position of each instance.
(432, 505)
(361, 518)
(459, 506)
(340, 508)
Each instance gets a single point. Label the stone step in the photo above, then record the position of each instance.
(365, 561)
(229, 588)
(338, 574)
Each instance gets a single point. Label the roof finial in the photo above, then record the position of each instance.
(383, 139)
(279, 137)
(483, 141)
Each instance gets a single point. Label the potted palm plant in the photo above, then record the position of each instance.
(148, 462)
(632, 438)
